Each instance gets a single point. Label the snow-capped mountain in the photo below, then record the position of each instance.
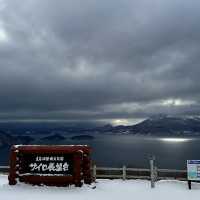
(168, 125)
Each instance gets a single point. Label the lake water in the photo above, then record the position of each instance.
(134, 151)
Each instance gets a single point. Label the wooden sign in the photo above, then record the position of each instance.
(50, 165)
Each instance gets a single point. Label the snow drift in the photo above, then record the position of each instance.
(102, 190)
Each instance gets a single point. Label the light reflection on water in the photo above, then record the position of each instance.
(175, 140)
(133, 151)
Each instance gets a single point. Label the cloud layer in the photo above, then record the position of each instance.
(99, 59)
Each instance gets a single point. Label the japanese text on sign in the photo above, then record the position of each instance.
(52, 164)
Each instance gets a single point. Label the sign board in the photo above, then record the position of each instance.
(193, 170)
(50, 165)
(47, 164)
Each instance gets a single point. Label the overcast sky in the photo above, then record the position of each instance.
(99, 60)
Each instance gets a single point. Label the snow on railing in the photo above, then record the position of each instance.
(137, 173)
(129, 173)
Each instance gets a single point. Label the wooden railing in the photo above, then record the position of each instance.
(129, 173)
(4, 169)
(138, 173)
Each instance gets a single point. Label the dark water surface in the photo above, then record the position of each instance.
(133, 151)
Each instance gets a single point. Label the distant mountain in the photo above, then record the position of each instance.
(35, 128)
(82, 137)
(54, 137)
(157, 125)
(23, 139)
(168, 125)
(5, 139)
(8, 140)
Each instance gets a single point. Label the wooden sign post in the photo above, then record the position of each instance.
(56, 165)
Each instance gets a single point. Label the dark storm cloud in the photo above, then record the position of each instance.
(98, 59)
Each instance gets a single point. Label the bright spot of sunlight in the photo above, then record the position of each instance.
(175, 139)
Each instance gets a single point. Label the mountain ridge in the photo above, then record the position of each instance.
(155, 125)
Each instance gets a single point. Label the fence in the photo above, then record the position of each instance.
(138, 173)
(130, 173)
(4, 169)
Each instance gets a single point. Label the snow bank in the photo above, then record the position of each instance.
(105, 190)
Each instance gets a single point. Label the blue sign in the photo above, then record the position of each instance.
(193, 170)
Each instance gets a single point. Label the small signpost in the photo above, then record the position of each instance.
(193, 171)
(50, 165)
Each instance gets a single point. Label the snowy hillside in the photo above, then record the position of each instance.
(105, 190)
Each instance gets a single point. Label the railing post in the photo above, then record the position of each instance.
(94, 172)
(152, 171)
(155, 173)
(124, 172)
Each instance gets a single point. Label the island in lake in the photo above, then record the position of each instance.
(82, 137)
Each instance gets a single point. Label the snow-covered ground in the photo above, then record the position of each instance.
(105, 190)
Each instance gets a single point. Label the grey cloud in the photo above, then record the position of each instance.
(75, 59)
